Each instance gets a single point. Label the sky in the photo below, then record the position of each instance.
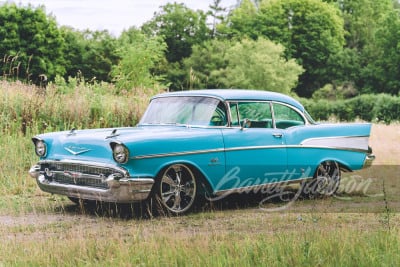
(111, 15)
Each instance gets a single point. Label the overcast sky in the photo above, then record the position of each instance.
(113, 15)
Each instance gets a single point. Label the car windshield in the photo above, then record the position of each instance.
(178, 110)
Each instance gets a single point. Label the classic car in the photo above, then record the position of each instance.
(190, 144)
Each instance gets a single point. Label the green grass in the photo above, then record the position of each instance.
(38, 229)
(228, 238)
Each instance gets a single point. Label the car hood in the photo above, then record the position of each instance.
(94, 144)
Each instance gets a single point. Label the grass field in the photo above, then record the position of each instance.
(359, 227)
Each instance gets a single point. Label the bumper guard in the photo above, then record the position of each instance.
(121, 190)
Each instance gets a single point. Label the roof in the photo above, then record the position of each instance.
(237, 95)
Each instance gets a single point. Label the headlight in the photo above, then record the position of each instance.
(40, 148)
(120, 153)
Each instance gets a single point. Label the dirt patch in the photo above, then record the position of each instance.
(32, 219)
(385, 144)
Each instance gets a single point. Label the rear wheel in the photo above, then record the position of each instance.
(176, 189)
(326, 180)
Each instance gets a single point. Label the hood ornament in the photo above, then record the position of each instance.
(113, 134)
(74, 150)
(72, 132)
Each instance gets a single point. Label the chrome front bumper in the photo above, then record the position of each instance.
(120, 190)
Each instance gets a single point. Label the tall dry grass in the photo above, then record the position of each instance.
(30, 110)
(27, 110)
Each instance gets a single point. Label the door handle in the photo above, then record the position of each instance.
(278, 135)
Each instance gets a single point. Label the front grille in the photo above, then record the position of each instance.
(79, 174)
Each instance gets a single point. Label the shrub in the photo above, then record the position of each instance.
(379, 108)
(387, 108)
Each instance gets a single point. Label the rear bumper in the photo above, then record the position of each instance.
(368, 160)
(120, 190)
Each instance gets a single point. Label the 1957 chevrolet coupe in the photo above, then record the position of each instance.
(192, 143)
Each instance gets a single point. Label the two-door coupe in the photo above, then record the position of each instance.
(194, 142)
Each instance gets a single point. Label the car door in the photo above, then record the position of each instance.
(288, 119)
(255, 151)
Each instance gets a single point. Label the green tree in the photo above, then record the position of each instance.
(382, 73)
(361, 19)
(259, 65)
(217, 15)
(201, 68)
(310, 30)
(100, 55)
(73, 50)
(139, 57)
(240, 22)
(30, 42)
(369, 24)
(364, 23)
(90, 54)
(181, 28)
(396, 4)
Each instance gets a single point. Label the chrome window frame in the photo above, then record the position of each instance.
(236, 102)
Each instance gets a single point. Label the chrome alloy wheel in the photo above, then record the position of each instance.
(327, 178)
(177, 188)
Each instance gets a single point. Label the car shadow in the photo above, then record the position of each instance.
(146, 210)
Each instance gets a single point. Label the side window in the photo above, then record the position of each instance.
(258, 114)
(286, 117)
(218, 117)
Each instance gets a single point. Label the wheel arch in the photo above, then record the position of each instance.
(197, 171)
(343, 166)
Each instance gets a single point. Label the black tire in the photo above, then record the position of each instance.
(84, 202)
(176, 190)
(75, 200)
(325, 182)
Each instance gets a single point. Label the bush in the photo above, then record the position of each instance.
(387, 108)
(319, 110)
(375, 108)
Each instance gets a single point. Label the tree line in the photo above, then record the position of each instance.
(319, 48)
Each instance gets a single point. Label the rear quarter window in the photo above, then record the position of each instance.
(285, 116)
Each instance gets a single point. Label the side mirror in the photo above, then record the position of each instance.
(245, 124)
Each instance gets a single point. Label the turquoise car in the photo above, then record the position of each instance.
(192, 144)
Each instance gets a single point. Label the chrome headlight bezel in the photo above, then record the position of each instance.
(40, 147)
(120, 152)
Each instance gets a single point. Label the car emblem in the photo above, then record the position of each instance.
(76, 150)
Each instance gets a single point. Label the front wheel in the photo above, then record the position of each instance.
(176, 189)
(326, 180)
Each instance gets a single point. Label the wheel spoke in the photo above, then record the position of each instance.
(187, 190)
(322, 169)
(167, 196)
(168, 180)
(178, 177)
(177, 201)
